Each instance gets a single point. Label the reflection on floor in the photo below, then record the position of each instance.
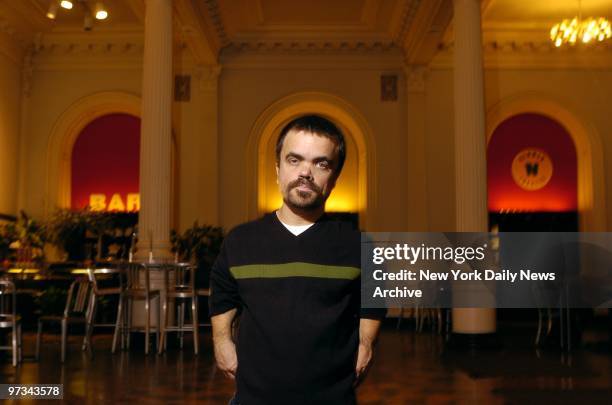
(409, 368)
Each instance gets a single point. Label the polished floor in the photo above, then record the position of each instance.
(409, 368)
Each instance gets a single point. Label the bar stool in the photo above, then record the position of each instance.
(133, 290)
(181, 288)
(74, 312)
(99, 279)
(9, 318)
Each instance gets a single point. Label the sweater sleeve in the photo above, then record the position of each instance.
(368, 313)
(371, 313)
(223, 286)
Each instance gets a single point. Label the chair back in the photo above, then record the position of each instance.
(8, 302)
(78, 297)
(184, 277)
(104, 277)
(136, 276)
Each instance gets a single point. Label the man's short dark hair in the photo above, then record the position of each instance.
(317, 125)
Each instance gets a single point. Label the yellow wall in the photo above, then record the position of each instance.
(53, 92)
(246, 93)
(10, 106)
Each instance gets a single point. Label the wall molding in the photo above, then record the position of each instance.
(530, 54)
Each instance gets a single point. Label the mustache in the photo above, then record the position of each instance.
(304, 182)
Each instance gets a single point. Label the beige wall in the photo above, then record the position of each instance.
(197, 163)
(10, 106)
(53, 92)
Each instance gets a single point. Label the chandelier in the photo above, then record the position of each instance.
(580, 30)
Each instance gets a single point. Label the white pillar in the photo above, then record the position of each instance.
(470, 146)
(416, 167)
(156, 133)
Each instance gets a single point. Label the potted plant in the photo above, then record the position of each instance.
(8, 235)
(199, 244)
(67, 230)
(31, 237)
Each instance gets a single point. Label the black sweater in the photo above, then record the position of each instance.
(299, 299)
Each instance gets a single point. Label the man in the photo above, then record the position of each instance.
(294, 277)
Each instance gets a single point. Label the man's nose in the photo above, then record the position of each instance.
(305, 170)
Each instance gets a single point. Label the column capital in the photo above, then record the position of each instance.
(207, 76)
(415, 77)
(26, 72)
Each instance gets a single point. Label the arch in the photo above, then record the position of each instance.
(66, 131)
(589, 151)
(279, 113)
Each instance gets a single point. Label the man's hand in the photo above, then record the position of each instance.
(225, 354)
(368, 331)
(225, 349)
(364, 359)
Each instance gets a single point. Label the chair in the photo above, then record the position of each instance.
(134, 289)
(9, 318)
(100, 288)
(181, 288)
(74, 312)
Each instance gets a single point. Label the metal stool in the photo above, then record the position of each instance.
(98, 277)
(182, 288)
(134, 289)
(9, 318)
(74, 312)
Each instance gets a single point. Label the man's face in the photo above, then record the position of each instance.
(306, 169)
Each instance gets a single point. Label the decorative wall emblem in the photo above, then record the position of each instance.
(532, 169)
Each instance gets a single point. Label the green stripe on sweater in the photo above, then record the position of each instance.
(294, 269)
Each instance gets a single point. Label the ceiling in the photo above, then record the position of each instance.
(210, 28)
(542, 11)
(120, 13)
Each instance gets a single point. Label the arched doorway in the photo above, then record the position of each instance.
(542, 167)
(591, 203)
(532, 175)
(65, 132)
(357, 175)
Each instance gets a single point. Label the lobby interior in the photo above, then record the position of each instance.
(165, 114)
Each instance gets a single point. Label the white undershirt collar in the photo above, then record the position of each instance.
(294, 229)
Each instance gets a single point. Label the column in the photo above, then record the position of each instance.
(417, 175)
(156, 132)
(470, 147)
(208, 178)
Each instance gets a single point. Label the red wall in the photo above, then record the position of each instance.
(105, 159)
(512, 136)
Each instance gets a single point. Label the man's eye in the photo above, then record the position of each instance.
(323, 165)
(292, 160)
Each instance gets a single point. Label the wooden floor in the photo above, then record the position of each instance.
(409, 368)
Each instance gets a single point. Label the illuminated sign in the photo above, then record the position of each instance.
(532, 169)
(100, 202)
